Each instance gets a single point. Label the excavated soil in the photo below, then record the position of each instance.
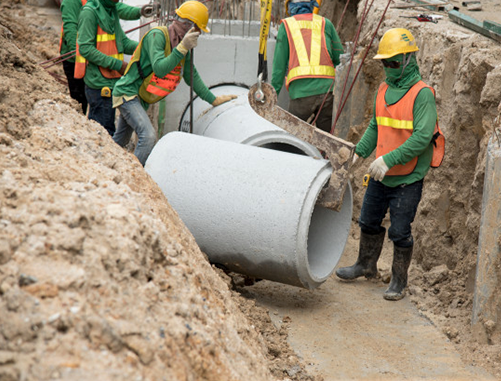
(100, 279)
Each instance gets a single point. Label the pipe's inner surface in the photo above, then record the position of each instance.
(327, 236)
(284, 147)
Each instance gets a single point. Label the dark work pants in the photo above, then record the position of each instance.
(101, 109)
(402, 201)
(304, 107)
(76, 86)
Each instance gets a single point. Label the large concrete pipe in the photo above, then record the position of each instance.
(236, 121)
(253, 210)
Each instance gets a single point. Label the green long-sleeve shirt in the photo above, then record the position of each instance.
(153, 59)
(87, 30)
(418, 144)
(70, 10)
(305, 87)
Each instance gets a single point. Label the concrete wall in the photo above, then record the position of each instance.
(221, 59)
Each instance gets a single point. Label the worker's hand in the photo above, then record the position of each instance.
(223, 99)
(124, 66)
(150, 10)
(189, 41)
(378, 169)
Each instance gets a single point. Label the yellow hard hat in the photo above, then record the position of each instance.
(396, 41)
(195, 11)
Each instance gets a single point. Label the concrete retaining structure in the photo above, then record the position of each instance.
(486, 303)
(253, 210)
(236, 121)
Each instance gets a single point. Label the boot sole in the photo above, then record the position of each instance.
(394, 297)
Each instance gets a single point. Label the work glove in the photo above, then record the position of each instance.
(189, 41)
(150, 10)
(223, 99)
(378, 169)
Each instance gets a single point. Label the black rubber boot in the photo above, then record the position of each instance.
(368, 255)
(401, 261)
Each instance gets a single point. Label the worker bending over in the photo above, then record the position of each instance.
(306, 54)
(161, 59)
(404, 131)
(101, 44)
(70, 10)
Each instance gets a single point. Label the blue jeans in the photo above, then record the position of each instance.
(133, 118)
(402, 201)
(101, 109)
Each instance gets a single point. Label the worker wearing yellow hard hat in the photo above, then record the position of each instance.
(162, 59)
(404, 132)
(306, 54)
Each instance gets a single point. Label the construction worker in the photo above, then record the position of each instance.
(306, 54)
(404, 131)
(101, 44)
(161, 59)
(70, 10)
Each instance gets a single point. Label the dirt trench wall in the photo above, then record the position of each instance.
(99, 278)
(464, 69)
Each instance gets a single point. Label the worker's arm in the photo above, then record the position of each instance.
(87, 29)
(154, 44)
(425, 118)
(128, 44)
(70, 9)
(127, 12)
(280, 59)
(334, 45)
(368, 142)
(199, 87)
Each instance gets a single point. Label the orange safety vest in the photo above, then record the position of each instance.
(153, 87)
(62, 29)
(395, 125)
(308, 56)
(106, 44)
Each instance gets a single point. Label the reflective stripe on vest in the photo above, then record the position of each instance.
(62, 30)
(166, 85)
(106, 44)
(308, 56)
(395, 126)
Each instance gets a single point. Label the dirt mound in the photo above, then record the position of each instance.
(99, 278)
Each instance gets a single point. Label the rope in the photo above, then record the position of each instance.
(361, 64)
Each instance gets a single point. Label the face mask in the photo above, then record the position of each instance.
(394, 67)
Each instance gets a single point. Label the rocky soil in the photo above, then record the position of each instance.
(99, 278)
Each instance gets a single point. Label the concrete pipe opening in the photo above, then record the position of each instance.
(253, 210)
(235, 121)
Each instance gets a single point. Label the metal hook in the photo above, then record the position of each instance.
(259, 95)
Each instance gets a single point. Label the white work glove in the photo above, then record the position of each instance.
(223, 99)
(150, 10)
(378, 169)
(189, 41)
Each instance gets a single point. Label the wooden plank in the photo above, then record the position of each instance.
(492, 26)
(430, 4)
(473, 24)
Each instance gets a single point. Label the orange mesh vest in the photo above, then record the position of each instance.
(395, 126)
(308, 54)
(105, 43)
(153, 87)
(62, 29)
